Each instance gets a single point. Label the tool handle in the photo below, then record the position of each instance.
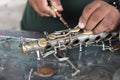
(58, 13)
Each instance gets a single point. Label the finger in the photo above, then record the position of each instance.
(112, 27)
(44, 9)
(33, 3)
(44, 14)
(95, 18)
(103, 25)
(51, 12)
(30, 1)
(115, 23)
(89, 9)
(57, 4)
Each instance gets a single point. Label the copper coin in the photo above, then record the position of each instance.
(45, 71)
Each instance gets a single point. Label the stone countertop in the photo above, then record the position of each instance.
(93, 63)
(21, 33)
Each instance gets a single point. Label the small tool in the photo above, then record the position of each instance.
(58, 14)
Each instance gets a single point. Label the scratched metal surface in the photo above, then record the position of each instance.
(94, 63)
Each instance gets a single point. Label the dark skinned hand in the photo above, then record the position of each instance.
(99, 16)
(42, 8)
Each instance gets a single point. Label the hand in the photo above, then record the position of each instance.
(99, 16)
(42, 8)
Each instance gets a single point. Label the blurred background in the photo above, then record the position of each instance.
(11, 13)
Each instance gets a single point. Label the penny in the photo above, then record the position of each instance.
(45, 71)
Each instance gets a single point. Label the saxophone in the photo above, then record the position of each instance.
(55, 43)
(66, 38)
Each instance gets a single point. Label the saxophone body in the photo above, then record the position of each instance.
(56, 43)
(67, 38)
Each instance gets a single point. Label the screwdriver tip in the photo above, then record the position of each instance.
(67, 26)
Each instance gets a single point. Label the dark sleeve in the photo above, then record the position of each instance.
(33, 22)
(72, 10)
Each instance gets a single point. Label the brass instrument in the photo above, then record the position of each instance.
(67, 38)
(56, 42)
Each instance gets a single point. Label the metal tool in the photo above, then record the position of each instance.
(59, 15)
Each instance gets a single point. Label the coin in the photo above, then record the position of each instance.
(45, 71)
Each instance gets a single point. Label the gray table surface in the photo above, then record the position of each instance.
(93, 63)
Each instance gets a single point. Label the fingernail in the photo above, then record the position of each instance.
(81, 25)
(60, 8)
(54, 16)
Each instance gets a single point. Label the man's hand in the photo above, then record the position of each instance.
(42, 8)
(99, 16)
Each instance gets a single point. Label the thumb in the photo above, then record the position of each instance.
(57, 4)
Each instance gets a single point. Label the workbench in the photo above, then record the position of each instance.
(93, 63)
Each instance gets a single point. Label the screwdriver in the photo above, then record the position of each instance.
(58, 14)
